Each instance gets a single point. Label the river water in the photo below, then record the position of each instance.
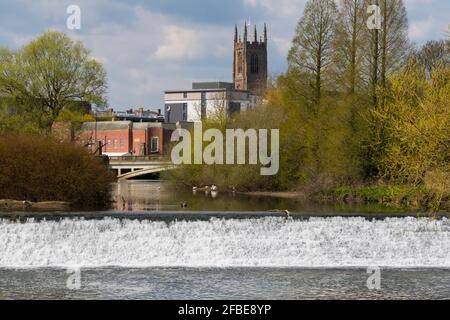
(321, 253)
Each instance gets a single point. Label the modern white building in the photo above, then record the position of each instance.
(206, 99)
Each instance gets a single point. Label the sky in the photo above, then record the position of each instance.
(149, 46)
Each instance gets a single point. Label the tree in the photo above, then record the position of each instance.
(416, 117)
(312, 49)
(394, 37)
(433, 55)
(388, 46)
(49, 74)
(348, 43)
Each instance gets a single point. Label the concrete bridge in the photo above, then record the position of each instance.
(128, 167)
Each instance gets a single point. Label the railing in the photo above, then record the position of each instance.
(140, 158)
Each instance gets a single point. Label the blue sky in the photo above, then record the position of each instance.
(148, 46)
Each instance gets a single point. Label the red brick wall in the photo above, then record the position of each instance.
(117, 141)
(131, 142)
(157, 132)
(139, 138)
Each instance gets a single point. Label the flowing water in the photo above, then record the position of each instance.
(269, 257)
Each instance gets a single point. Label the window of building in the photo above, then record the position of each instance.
(115, 143)
(184, 94)
(121, 142)
(239, 62)
(184, 111)
(154, 144)
(254, 64)
(203, 106)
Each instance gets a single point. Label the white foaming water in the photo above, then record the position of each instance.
(264, 242)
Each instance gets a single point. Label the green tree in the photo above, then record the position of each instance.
(312, 47)
(349, 43)
(415, 118)
(49, 74)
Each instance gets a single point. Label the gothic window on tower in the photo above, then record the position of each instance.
(239, 62)
(254, 64)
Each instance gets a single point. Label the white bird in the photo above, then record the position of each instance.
(214, 188)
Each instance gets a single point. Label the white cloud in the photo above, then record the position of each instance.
(182, 42)
(419, 30)
(279, 7)
(412, 4)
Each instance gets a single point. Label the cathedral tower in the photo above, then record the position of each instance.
(250, 61)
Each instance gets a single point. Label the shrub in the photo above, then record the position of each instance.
(38, 168)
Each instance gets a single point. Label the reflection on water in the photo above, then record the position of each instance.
(230, 283)
(160, 196)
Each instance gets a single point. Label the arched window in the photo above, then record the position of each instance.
(239, 62)
(254, 63)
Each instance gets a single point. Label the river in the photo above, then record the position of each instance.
(320, 252)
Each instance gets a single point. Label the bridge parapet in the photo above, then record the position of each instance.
(128, 167)
(140, 158)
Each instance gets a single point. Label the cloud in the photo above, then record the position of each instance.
(182, 42)
(284, 8)
(417, 3)
(419, 30)
(151, 46)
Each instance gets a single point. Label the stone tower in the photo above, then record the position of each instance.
(250, 61)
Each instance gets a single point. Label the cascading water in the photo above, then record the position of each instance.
(263, 242)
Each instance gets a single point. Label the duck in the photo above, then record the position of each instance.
(183, 204)
(214, 188)
(26, 204)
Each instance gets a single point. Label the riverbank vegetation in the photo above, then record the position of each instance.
(363, 114)
(37, 168)
(50, 79)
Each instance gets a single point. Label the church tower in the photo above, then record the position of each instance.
(250, 61)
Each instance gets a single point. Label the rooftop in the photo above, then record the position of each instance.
(106, 125)
(212, 85)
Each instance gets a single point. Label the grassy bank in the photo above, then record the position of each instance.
(41, 169)
(407, 197)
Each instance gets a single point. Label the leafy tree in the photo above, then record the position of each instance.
(415, 118)
(312, 49)
(49, 74)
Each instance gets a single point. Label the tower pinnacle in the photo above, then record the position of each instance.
(245, 32)
(265, 33)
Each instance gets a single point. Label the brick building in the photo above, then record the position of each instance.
(120, 138)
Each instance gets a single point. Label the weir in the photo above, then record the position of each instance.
(263, 242)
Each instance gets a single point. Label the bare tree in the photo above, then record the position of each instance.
(312, 47)
(394, 44)
(389, 46)
(349, 48)
(434, 54)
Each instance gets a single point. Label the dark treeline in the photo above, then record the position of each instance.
(357, 106)
(35, 168)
